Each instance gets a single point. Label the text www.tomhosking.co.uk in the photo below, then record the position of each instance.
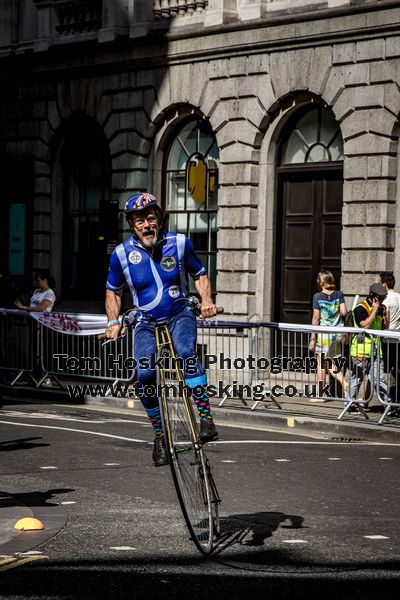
(258, 391)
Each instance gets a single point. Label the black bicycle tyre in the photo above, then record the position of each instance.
(215, 501)
(201, 529)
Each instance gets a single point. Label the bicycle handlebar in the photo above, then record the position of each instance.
(129, 317)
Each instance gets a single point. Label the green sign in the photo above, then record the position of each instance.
(16, 253)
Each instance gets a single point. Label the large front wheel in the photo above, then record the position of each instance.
(190, 472)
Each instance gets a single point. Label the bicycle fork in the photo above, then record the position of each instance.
(164, 341)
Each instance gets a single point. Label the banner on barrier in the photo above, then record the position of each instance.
(70, 323)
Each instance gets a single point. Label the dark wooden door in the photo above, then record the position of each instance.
(308, 238)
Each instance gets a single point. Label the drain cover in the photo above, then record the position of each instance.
(347, 439)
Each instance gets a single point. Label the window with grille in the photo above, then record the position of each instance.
(316, 137)
(191, 186)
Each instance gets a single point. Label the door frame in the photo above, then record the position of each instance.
(317, 168)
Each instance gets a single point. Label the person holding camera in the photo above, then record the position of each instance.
(368, 314)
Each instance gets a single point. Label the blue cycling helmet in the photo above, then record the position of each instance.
(140, 202)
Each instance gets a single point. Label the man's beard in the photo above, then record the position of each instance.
(150, 241)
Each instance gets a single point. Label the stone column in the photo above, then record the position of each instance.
(140, 17)
(114, 20)
(45, 25)
(251, 9)
(220, 11)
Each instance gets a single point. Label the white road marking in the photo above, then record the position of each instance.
(282, 460)
(111, 464)
(302, 442)
(385, 458)
(29, 553)
(122, 548)
(69, 502)
(49, 467)
(107, 435)
(295, 541)
(334, 458)
(376, 537)
(228, 461)
(219, 442)
(60, 417)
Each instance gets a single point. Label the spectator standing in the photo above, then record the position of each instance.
(43, 297)
(392, 303)
(329, 310)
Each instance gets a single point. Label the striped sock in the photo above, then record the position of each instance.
(155, 420)
(203, 406)
(201, 401)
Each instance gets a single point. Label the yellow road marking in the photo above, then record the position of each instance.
(10, 562)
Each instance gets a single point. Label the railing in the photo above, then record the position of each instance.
(85, 356)
(257, 364)
(19, 346)
(78, 17)
(166, 9)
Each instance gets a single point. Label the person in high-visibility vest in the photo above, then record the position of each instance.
(368, 314)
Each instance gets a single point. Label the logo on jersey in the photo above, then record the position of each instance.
(135, 257)
(168, 263)
(174, 291)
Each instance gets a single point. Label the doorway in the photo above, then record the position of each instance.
(309, 210)
(309, 237)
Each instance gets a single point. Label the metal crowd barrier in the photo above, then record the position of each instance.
(354, 381)
(258, 362)
(84, 356)
(388, 372)
(19, 345)
(224, 348)
(30, 348)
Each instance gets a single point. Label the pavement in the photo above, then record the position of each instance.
(298, 415)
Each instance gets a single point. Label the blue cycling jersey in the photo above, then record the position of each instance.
(157, 279)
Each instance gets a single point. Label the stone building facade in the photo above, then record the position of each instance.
(291, 109)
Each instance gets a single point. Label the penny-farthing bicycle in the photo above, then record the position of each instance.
(191, 470)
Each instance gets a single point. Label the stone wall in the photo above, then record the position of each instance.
(246, 82)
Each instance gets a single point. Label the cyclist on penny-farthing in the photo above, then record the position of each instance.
(156, 264)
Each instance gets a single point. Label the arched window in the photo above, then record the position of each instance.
(192, 190)
(315, 138)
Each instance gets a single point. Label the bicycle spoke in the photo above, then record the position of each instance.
(190, 469)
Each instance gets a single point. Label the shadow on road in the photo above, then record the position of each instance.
(176, 577)
(21, 444)
(35, 499)
(253, 529)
